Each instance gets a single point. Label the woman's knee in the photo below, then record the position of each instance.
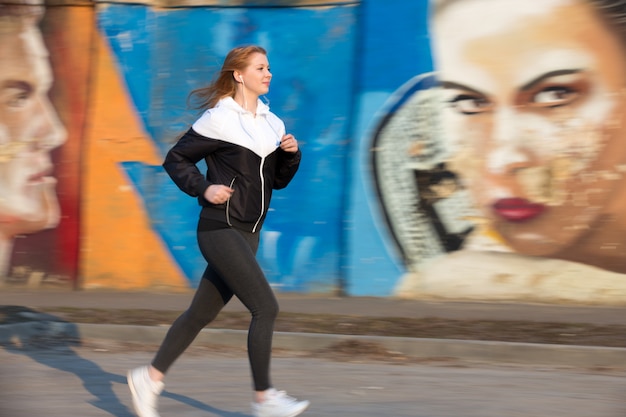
(268, 310)
(274, 309)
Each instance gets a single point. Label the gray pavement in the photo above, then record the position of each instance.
(66, 369)
(90, 382)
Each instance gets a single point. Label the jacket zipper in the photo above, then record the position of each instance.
(262, 194)
(232, 182)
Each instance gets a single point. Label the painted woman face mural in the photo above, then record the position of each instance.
(535, 95)
(29, 127)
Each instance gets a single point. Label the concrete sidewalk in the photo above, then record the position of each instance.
(322, 304)
(502, 352)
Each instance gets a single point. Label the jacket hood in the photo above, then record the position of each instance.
(262, 109)
(230, 122)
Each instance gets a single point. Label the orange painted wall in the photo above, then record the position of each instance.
(117, 235)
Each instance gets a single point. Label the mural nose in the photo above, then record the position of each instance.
(51, 132)
(508, 159)
(509, 151)
(506, 127)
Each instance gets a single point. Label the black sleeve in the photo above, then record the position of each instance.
(286, 168)
(180, 162)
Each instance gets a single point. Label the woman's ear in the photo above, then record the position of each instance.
(237, 76)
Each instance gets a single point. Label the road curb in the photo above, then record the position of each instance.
(467, 350)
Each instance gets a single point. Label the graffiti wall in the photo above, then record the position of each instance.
(500, 174)
(40, 142)
(110, 85)
(441, 158)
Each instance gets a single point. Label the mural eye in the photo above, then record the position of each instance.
(17, 100)
(470, 104)
(555, 96)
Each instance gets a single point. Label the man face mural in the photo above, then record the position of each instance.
(29, 126)
(535, 94)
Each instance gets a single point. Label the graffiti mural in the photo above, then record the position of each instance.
(300, 243)
(104, 87)
(38, 208)
(440, 159)
(500, 175)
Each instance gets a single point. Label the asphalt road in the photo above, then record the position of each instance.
(90, 382)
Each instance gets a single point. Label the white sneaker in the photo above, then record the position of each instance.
(278, 404)
(145, 392)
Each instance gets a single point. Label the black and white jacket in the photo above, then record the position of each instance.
(241, 151)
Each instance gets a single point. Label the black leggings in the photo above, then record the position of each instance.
(232, 270)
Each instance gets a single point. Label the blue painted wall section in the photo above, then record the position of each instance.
(394, 47)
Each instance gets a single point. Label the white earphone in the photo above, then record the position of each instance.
(241, 78)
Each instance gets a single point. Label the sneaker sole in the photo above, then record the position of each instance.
(296, 412)
(299, 411)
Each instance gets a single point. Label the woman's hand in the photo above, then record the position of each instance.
(218, 193)
(289, 143)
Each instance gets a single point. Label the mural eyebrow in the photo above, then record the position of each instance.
(456, 86)
(529, 85)
(20, 85)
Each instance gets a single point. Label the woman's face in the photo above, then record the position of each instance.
(257, 75)
(535, 94)
(29, 130)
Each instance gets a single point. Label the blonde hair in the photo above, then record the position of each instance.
(224, 85)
